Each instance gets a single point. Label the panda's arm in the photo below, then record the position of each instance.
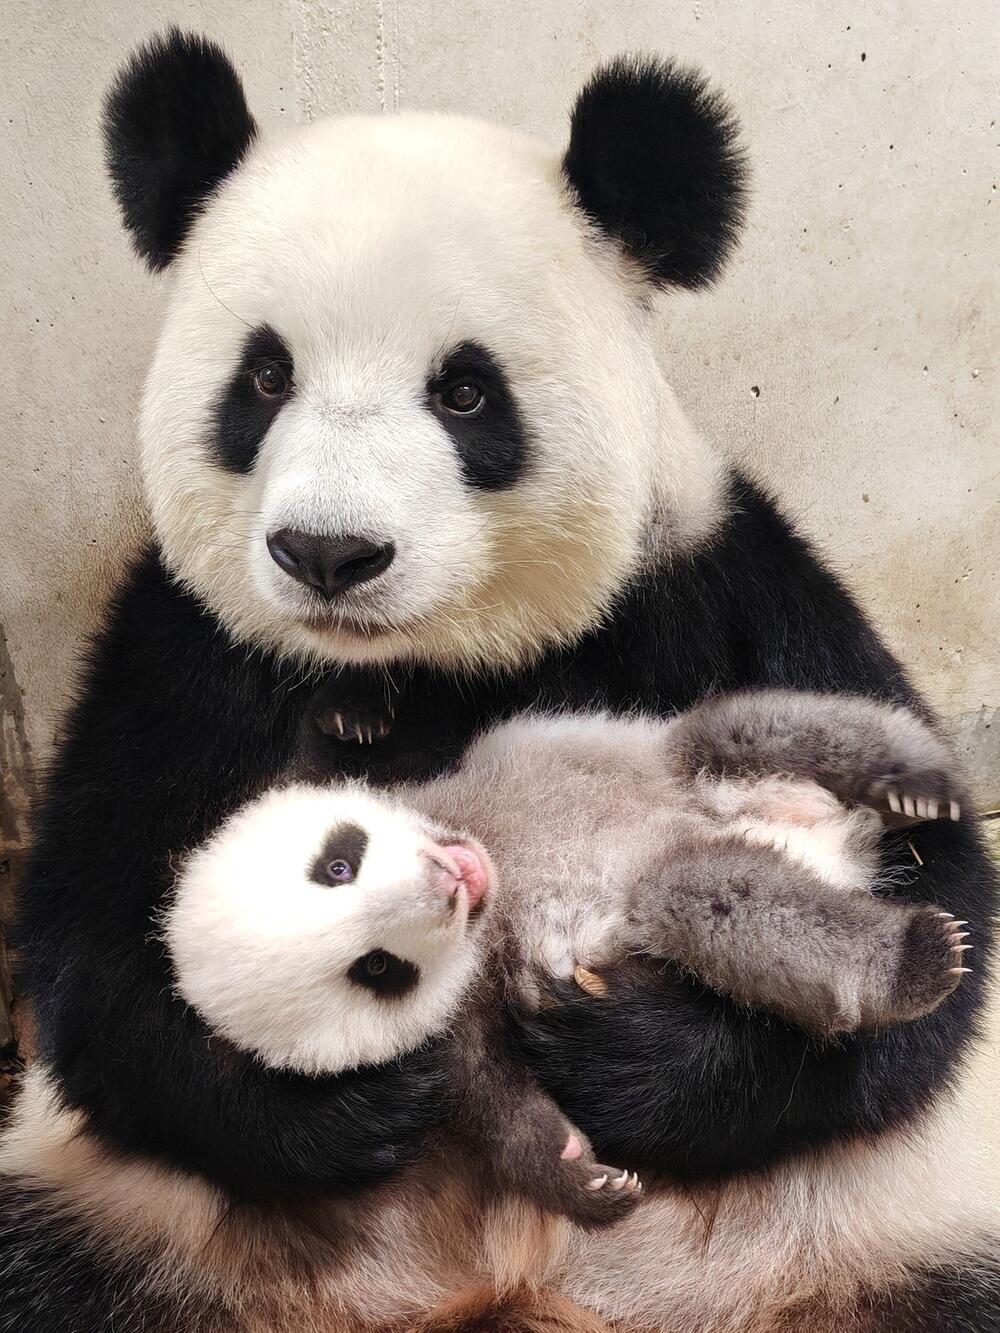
(173, 729)
(674, 1075)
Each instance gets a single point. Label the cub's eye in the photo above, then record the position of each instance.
(463, 399)
(340, 858)
(271, 381)
(384, 974)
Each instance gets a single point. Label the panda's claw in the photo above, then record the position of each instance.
(598, 1183)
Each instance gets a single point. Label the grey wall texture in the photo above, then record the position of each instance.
(849, 356)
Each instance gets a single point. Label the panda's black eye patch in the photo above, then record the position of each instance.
(340, 857)
(262, 382)
(472, 398)
(384, 973)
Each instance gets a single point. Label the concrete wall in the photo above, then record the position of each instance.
(847, 356)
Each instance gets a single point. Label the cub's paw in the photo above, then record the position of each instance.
(599, 1195)
(592, 1195)
(931, 962)
(914, 794)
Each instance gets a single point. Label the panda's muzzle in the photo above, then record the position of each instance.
(328, 565)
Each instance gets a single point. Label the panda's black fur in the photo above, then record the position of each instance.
(177, 724)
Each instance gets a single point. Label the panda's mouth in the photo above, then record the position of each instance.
(343, 624)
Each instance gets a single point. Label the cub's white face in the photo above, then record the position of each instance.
(400, 332)
(324, 929)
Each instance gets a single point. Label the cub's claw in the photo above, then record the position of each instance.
(628, 1182)
(917, 796)
(590, 982)
(931, 965)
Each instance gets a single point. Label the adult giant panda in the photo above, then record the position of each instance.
(413, 467)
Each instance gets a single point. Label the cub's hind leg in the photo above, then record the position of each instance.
(753, 924)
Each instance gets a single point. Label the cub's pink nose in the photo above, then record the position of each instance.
(472, 873)
(462, 868)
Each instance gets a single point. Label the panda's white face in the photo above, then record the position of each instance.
(405, 402)
(324, 929)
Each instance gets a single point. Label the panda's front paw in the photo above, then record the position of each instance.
(351, 725)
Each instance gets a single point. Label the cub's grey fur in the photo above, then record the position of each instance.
(739, 840)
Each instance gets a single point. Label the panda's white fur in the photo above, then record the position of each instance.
(263, 951)
(374, 247)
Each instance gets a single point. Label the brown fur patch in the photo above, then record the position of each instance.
(525, 1310)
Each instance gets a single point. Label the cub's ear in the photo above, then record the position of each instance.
(175, 123)
(655, 160)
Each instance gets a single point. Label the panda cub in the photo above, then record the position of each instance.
(330, 927)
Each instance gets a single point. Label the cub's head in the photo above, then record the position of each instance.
(405, 403)
(324, 929)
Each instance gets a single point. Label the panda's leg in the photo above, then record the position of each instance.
(514, 1130)
(766, 931)
(863, 751)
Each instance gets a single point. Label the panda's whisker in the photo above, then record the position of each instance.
(215, 295)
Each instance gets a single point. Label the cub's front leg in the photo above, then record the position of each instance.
(865, 752)
(524, 1144)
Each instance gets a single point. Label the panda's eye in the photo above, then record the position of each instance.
(464, 399)
(340, 871)
(376, 964)
(271, 381)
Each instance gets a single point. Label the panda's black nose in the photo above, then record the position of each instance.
(328, 564)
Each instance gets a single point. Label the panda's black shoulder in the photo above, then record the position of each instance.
(162, 669)
(753, 605)
(155, 633)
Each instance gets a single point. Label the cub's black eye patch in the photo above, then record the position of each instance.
(384, 973)
(340, 857)
(260, 385)
(471, 397)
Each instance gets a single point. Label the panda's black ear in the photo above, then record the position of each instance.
(655, 160)
(175, 123)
